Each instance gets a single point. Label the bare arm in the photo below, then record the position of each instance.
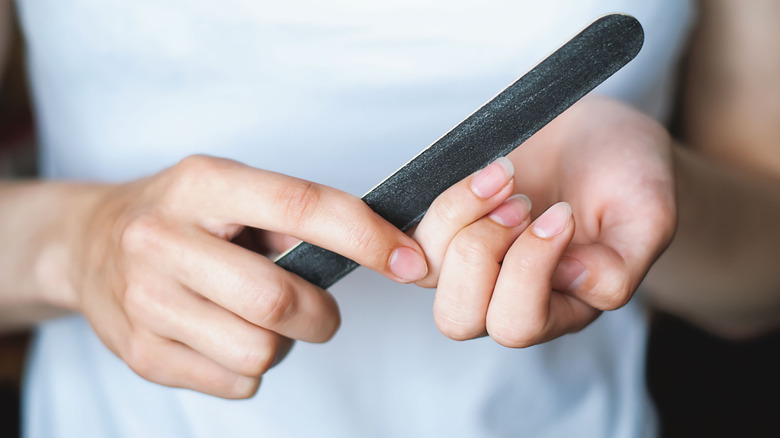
(39, 226)
(152, 266)
(721, 270)
(731, 108)
(21, 305)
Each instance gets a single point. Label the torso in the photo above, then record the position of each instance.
(343, 93)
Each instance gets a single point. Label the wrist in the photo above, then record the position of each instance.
(62, 243)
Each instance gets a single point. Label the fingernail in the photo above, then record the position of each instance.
(553, 221)
(569, 275)
(512, 212)
(488, 181)
(407, 264)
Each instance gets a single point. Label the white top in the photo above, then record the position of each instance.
(340, 92)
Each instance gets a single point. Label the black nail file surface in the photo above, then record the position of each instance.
(494, 130)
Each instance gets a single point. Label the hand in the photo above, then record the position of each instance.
(166, 290)
(525, 282)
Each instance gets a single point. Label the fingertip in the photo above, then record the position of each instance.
(512, 212)
(569, 275)
(607, 282)
(553, 221)
(490, 180)
(244, 388)
(407, 265)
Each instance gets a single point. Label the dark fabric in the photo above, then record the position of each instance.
(704, 386)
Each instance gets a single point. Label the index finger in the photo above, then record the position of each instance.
(236, 194)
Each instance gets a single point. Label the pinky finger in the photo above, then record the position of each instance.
(174, 364)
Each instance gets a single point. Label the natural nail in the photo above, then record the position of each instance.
(569, 275)
(553, 221)
(488, 181)
(408, 265)
(513, 212)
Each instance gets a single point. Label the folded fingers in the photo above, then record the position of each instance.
(458, 207)
(524, 309)
(471, 266)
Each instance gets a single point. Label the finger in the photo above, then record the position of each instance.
(523, 310)
(607, 272)
(595, 274)
(471, 267)
(458, 207)
(239, 280)
(173, 364)
(179, 315)
(163, 361)
(261, 292)
(237, 194)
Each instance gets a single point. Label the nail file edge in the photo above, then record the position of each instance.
(532, 101)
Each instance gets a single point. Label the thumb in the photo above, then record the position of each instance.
(597, 275)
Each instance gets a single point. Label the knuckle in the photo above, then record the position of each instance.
(274, 304)
(515, 335)
(456, 318)
(195, 174)
(140, 357)
(459, 329)
(299, 200)
(448, 209)
(615, 292)
(366, 239)
(143, 233)
(244, 387)
(470, 249)
(258, 360)
(660, 223)
(196, 167)
(365, 242)
(143, 303)
(136, 300)
(362, 234)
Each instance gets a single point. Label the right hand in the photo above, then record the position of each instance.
(166, 290)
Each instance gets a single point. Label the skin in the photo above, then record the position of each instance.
(720, 272)
(522, 286)
(158, 268)
(151, 266)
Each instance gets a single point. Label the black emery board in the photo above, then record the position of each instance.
(492, 131)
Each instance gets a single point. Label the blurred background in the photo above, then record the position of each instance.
(703, 386)
(17, 160)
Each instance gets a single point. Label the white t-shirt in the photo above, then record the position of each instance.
(340, 92)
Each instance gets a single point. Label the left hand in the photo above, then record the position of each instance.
(525, 282)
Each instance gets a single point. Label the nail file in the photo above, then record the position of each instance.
(492, 131)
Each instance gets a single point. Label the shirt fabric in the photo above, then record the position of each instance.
(343, 93)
